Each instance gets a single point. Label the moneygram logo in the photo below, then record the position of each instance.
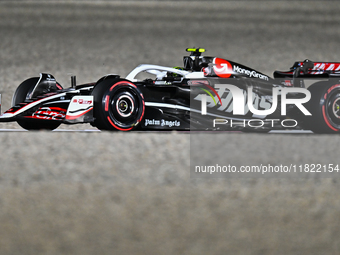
(241, 102)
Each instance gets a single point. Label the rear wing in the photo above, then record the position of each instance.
(319, 66)
(310, 69)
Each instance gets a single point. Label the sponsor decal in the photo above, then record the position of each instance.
(251, 74)
(170, 123)
(320, 67)
(162, 123)
(222, 68)
(79, 107)
(49, 113)
(152, 122)
(198, 82)
(82, 101)
(325, 66)
(288, 83)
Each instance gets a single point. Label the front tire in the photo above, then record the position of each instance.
(118, 105)
(324, 106)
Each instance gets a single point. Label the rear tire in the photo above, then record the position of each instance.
(20, 95)
(118, 105)
(324, 106)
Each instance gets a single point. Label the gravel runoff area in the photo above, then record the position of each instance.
(131, 193)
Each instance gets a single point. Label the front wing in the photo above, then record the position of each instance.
(56, 107)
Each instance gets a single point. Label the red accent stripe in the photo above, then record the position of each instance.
(219, 99)
(58, 86)
(141, 117)
(26, 104)
(43, 117)
(77, 116)
(124, 82)
(121, 129)
(326, 120)
(107, 103)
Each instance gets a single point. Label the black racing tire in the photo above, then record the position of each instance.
(324, 106)
(20, 95)
(118, 105)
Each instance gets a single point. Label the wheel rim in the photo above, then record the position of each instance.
(333, 109)
(125, 106)
(336, 108)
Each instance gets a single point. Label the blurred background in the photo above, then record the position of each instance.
(131, 193)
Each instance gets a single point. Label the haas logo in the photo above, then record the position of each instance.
(82, 101)
(222, 68)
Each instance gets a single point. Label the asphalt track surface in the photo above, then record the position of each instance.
(131, 193)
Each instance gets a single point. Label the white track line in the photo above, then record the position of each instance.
(161, 131)
(291, 132)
